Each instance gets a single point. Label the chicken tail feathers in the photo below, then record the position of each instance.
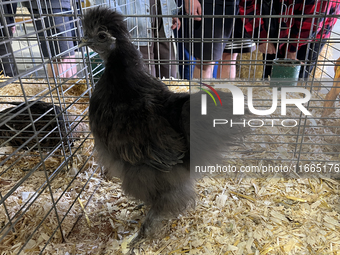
(214, 129)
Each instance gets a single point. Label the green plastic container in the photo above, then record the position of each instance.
(285, 72)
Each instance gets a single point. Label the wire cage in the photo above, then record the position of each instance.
(52, 197)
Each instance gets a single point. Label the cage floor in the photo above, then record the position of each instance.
(232, 216)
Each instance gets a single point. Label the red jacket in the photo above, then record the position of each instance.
(300, 30)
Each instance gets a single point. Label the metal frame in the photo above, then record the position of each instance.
(31, 65)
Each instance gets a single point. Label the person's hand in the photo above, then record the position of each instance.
(195, 8)
(291, 55)
(270, 50)
(13, 28)
(176, 23)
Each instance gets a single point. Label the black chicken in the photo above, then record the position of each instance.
(17, 130)
(141, 129)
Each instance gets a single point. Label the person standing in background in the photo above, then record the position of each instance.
(152, 33)
(213, 35)
(301, 37)
(58, 30)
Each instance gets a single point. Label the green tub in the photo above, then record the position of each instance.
(285, 72)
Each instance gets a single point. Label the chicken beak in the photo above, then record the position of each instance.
(85, 41)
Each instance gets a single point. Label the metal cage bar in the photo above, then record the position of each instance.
(46, 151)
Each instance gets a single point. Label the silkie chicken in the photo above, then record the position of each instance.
(141, 129)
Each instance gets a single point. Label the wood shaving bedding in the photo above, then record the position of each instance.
(232, 216)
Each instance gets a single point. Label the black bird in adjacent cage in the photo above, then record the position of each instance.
(26, 126)
(142, 129)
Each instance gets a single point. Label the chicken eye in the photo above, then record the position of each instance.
(102, 36)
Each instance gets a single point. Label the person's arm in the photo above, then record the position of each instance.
(268, 48)
(256, 26)
(174, 9)
(193, 7)
(176, 23)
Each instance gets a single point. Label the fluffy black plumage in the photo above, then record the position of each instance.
(141, 129)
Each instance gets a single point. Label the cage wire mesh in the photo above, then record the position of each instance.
(47, 160)
(45, 144)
